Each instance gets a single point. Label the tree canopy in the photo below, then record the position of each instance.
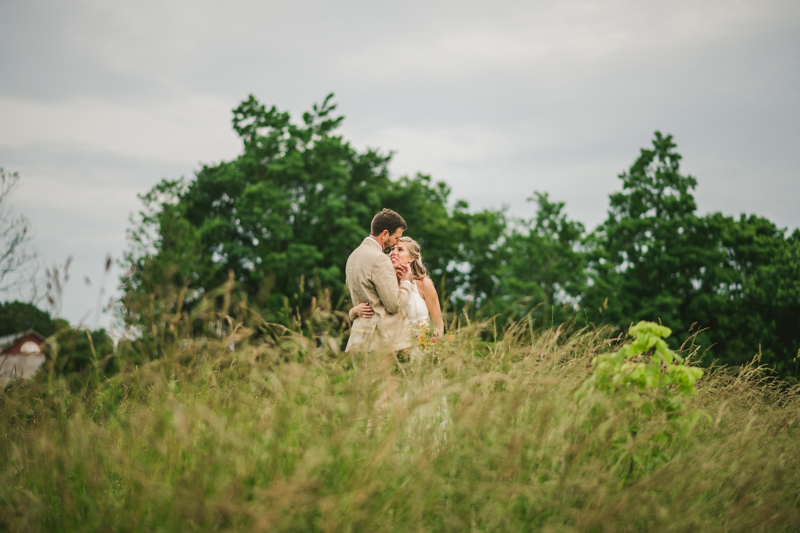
(280, 220)
(655, 259)
(283, 216)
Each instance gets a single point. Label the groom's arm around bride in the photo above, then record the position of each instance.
(372, 279)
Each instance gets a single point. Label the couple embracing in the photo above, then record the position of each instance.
(391, 294)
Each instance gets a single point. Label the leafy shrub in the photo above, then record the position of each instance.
(646, 379)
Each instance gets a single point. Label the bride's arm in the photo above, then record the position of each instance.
(428, 293)
(363, 310)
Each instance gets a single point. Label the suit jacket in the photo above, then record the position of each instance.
(371, 278)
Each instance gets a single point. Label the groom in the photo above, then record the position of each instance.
(371, 278)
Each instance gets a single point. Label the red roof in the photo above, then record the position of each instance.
(12, 344)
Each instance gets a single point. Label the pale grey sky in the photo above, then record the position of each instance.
(100, 100)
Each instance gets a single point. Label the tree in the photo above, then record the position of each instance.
(651, 258)
(545, 273)
(16, 317)
(655, 259)
(479, 259)
(78, 350)
(758, 304)
(282, 217)
(17, 258)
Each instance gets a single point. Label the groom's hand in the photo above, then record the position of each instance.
(408, 275)
(401, 271)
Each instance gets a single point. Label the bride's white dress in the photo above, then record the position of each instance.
(416, 309)
(431, 416)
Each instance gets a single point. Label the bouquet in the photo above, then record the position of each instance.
(428, 340)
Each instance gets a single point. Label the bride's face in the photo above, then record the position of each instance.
(400, 254)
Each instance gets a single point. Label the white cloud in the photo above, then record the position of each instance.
(556, 36)
(190, 130)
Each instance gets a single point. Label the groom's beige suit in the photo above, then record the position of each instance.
(371, 278)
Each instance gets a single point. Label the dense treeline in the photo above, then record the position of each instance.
(279, 222)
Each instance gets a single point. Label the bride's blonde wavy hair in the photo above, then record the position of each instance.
(417, 268)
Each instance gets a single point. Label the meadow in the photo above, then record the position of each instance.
(485, 432)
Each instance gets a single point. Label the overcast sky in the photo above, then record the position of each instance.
(100, 100)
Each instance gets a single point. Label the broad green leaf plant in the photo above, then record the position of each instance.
(645, 380)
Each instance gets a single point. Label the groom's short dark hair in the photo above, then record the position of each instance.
(387, 220)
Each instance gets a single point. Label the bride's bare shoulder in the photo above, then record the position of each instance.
(426, 284)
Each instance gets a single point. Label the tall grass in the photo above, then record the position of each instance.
(291, 434)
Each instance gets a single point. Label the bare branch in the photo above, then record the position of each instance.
(18, 266)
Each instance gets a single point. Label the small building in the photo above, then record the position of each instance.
(21, 355)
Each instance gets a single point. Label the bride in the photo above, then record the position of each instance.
(423, 305)
(430, 417)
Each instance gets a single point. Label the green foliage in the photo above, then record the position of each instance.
(480, 258)
(735, 282)
(283, 217)
(279, 221)
(650, 259)
(546, 265)
(758, 303)
(647, 379)
(624, 374)
(74, 351)
(16, 317)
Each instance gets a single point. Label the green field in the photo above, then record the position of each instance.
(287, 433)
